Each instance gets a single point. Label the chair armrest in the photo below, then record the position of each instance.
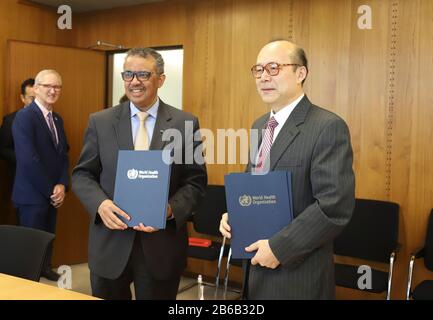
(392, 258)
(418, 253)
(393, 254)
(220, 259)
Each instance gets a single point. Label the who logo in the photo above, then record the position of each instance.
(245, 201)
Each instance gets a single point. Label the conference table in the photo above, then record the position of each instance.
(13, 288)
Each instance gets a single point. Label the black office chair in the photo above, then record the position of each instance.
(424, 290)
(23, 250)
(206, 221)
(371, 234)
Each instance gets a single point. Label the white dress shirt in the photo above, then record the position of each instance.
(45, 112)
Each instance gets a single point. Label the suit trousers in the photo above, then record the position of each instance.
(146, 287)
(42, 217)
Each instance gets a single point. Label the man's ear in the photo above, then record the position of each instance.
(161, 80)
(302, 73)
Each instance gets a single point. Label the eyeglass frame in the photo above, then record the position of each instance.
(49, 87)
(280, 65)
(135, 75)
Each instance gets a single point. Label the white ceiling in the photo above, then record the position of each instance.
(92, 5)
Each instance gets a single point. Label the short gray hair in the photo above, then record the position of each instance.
(43, 73)
(145, 53)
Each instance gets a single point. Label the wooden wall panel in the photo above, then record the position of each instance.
(412, 154)
(159, 24)
(348, 74)
(83, 75)
(351, 73)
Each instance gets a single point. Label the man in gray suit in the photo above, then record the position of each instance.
(314, 144)
(152, 259)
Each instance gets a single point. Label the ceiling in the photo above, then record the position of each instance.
(93, 5)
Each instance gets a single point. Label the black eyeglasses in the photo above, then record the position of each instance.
(50, 87)
(141, 75)
(272, 68)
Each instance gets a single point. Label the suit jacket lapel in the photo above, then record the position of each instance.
(162, 123)
(41, 117)
(289, 131)
(60, 133)
(260, 126)
(122, 127)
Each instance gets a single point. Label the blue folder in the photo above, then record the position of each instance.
(142, 185)
(258, 207)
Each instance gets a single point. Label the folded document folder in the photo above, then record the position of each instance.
(142, 185)
(258, 207)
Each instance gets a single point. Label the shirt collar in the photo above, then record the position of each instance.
(44, 110)
(152, 111)
(283, 114)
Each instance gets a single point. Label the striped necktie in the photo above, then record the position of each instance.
(53, 131)
(266, 143)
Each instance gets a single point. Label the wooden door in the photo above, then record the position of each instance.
(84, 75)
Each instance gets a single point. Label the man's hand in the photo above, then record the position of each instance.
(58, 196)
(108, 212)
(141, 227)
(224, 226)
(264, 256)
(169, 212)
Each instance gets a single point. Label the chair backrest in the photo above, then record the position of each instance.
(372, 233)
(207, 218)
(23, 250)
(428, 246)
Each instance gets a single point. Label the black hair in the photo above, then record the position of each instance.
(27, 83)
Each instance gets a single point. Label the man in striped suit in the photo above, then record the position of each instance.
(314, 144)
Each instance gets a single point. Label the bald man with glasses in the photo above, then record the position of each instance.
(314, 144)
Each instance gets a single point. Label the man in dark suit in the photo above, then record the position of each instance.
(152, 259)
(314, 144)
(42, 161)
(7, 151)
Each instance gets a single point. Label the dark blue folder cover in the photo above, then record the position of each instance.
(258, 207)
(141, 189)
